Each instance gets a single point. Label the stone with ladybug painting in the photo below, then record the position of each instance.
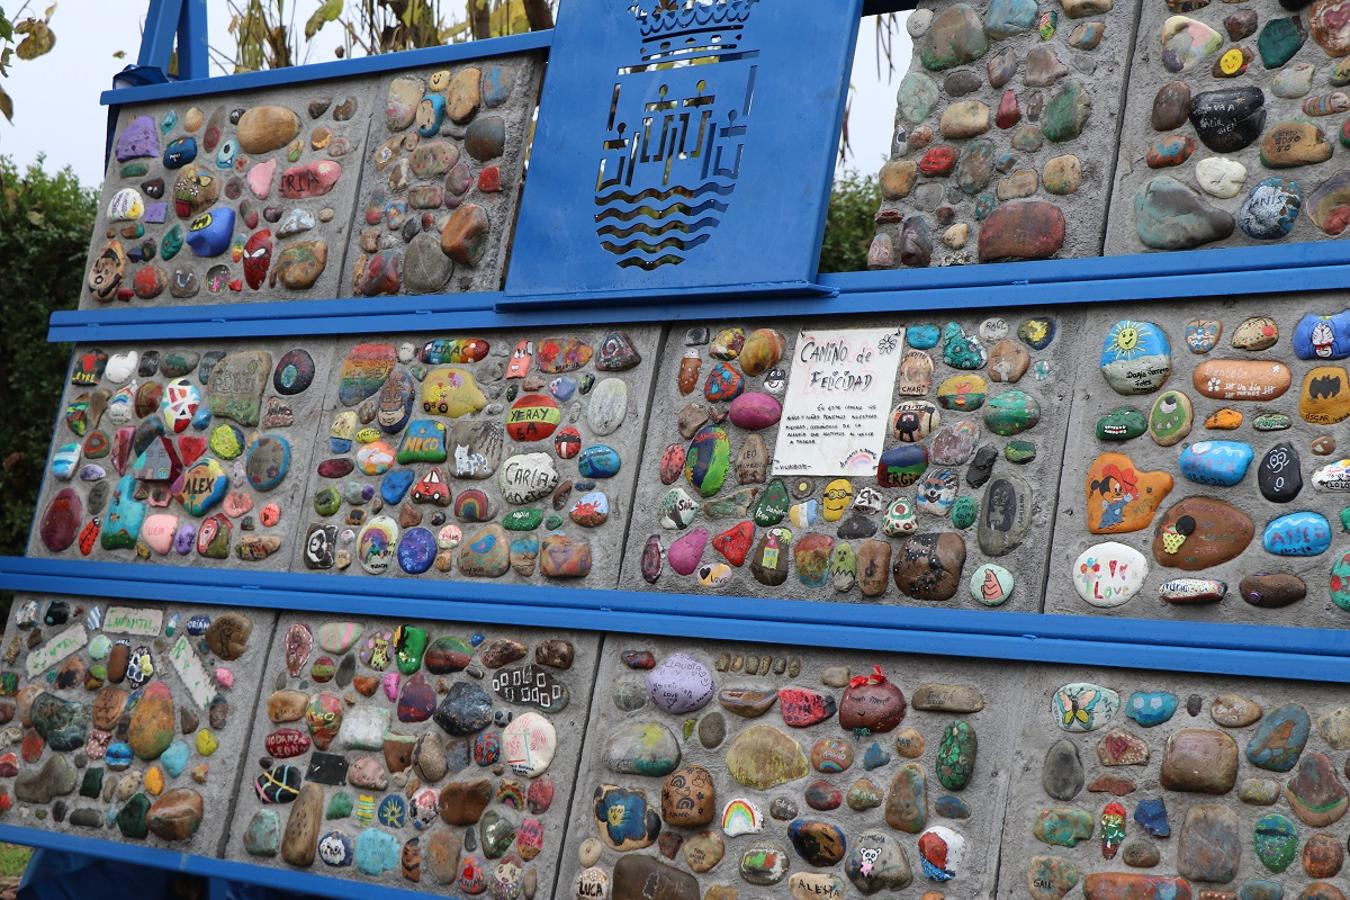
(567, 443)
(432, 488)
(672, 463)
(533, 417)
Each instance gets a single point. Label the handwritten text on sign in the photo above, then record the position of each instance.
(838, 399)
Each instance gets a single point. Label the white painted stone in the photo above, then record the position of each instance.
(1220, 176)
(1109, 574)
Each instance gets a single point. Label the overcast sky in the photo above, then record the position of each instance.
(56, 96)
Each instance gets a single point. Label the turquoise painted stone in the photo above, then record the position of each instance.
(1136, 357)
(599, 461)
(1150, 708)
(917, 96)
(1124, 423)
(1006, 18)
(1062, 826)
(1011, 412)
(263, 835)
(923, 337)
(175, 758)
(705, 465)
(1280, 39)
(122, 525)
(1280, 739)
(964, 512)
(376, 851)
(1340, 582)
(960, 350)
(1221, 463)
(956, 755)
(1297, 534)
(1275, 841)
(1260, 889)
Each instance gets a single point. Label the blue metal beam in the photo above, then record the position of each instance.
(1319, 654)
(325, 71)
(161, 26)
(193, 41)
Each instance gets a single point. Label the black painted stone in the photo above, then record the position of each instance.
(982, 466)
(857, 526)
(466, 709)
(327, 768)
(1228, 120)
(1278, 475)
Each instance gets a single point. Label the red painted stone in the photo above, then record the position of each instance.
(1009, 113)
(285, 743)
(939, 160)
(802, 708)
(1023, 229)
(735, 543)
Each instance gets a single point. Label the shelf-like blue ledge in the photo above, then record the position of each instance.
(1302, 653)
(327, 71)
(1230, 271)
(202, 866)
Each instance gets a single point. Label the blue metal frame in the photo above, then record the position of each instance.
(1302, 653)
(1142, 277)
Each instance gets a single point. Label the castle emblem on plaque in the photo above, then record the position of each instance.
(676, 130)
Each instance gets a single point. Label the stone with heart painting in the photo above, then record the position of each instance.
(1109, 574)
(1120, 497)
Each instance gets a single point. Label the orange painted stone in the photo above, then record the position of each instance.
(1131, 886)
(1200, 532)
(1224, 419)
(1325, 399)
(1242, 379)
(1120, 498)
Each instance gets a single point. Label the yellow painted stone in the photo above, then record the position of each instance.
(838, 496)
(206, 742)
(1325, 398)
(154, 781)
(368, 435)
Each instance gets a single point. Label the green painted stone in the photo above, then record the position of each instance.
(263, 835)
(410, 642)
(707, 460)
(1340, 580)
(171, 243)
(772, 505)
(1345, 518)
(553, 521)
(1062, 826)
(523, 519)
(327, 501)
(91, 785)
(1011, 412)
(843, 566)
(955, 37)
(965, 511)
(226, 441)
(339, 806)
(1280, 40)
(134, 170)
(1124, 423)
(132, 820)
(1275, 841)
(917, 96)
(1020, 452)
(956, 755)
(1272, 421)
(1066, 112)
(733, 506)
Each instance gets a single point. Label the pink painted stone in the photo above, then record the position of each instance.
(685, 553)
(61, 521)
(755, 410)
(390, 684)
(224, 677)
(260, 179)
(312, 179)
(158, 530)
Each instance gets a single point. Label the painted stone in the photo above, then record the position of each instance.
(929, 566)
(1136, 357)
(1200, 532)
(1297, 534)
(1124, 423)
(1221, 463)
(1199, 760)
(1082, 706)
(707, 460)
(1005, 517)
(1232, 379)
(1169, 216)
(1011, 412)
(763, 757)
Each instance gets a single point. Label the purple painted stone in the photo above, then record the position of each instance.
(61, 521)
(755, 410)
(685, 553)
(680, 684)
(183, 538)
(138, 139)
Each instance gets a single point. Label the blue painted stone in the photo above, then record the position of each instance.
(197, 625)
(1222, 463)
(875, 757)
(180, 152)
(923, 337)
(175, 758)
(1271, 209)
(122, 525)
(395, 484)
(562, 388)
(430, 115)
(1136, 357)
(496, 88)
(267, 461)
(424, 441)
(416, 550)
(599, 461)
(118, 755)
(525, 546)
(376, 851)
(1150, 708)
(902, 465)
(1280, 739)
(1151, 814)
(392, 811)
(950, 807)
(339, 445)
(1006, 18)
(65, 459)
(335, 849)
(1260, 889)
(210, 233)
(1297, 534)
(203, 418)
(1323, 337)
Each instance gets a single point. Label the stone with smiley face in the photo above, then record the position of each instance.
(1170, 418)
(838, 496)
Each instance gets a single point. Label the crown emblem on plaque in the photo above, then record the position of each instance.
(676, 132)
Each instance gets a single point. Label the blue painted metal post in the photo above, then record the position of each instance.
(193, 55)
(161, 25)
